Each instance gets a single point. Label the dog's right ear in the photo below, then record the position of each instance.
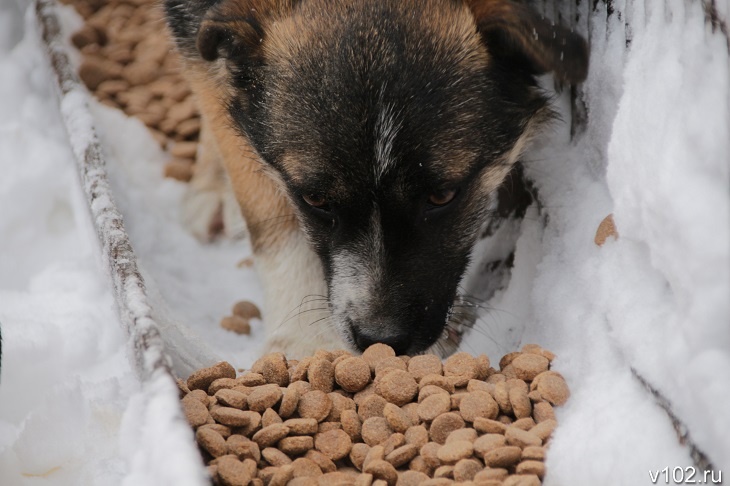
(516, 34)
(235, 28)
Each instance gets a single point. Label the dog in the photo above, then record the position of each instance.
(366, 143)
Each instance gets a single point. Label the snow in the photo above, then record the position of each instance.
(72, 407)
(66, 378)
(656, 154)
(680, 228)
(654, 302)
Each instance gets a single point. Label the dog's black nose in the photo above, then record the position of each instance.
(399, 342)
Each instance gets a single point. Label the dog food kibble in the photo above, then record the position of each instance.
(243, 311)
(443, 425)
(263, 397)
(397, 387)
(211, 441)
(237, 324)
(247, 310)
(352, 374)
(397, 419)
(334, 444)
(527, 366)
(478, 404)
(377, 420)
(606, 230)
(195, 411)
(426, 364)
(232, 472)
(315, 404)
(128, 62)
(201, 379)
(179, 169)
(553, 389)
(375, 430)
(376, 353)
(461, 367)
(321, 375)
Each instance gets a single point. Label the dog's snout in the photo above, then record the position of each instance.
(400, 342)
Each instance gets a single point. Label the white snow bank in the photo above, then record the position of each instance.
(669, 175)
(72, 410)
(656, 153)
(65, 375)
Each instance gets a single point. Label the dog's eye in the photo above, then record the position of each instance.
(316, 201)
(441, 198)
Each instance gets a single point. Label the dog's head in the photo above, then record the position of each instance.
(389, 123)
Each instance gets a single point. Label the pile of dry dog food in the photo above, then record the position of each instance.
(129, 63)
(335, 418)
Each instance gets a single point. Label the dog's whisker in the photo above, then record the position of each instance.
(307, 299)
(452, 341)
(314, 298)
(473, 302)
(464, 296)
(302, 312)
(483, 328)
(322, 329)
(466, 322)
(319, 320)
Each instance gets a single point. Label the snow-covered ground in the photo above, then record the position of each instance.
(655, 153)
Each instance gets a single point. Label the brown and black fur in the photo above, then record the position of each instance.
(372, 109)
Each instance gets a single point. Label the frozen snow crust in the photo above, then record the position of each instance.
(655, 152)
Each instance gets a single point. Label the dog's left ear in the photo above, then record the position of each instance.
(517, 35)
(227, 39)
